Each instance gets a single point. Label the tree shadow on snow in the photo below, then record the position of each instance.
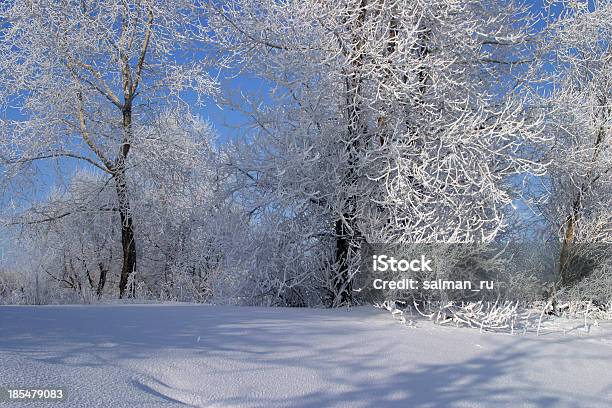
(262, 339)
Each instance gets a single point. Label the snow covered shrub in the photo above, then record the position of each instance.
(72, 237)
(13, 288)
(279, 265)
(596, 287)
(180, 207)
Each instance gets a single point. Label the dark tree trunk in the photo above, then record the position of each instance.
(342, 285)
(101, 280)
(128, 241)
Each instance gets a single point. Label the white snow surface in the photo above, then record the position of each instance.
(225, 356)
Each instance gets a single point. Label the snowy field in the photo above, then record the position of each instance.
(213, 356)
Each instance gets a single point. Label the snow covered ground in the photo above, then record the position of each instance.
(219, 356)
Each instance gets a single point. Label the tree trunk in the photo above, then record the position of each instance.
(128, 241)
(564, 255)
(101, 280)
(348, 237)
(342, 283)
(566, 274)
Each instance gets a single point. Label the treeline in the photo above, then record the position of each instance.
(364, 122)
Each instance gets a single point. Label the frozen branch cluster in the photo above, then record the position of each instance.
(383, 124)
(512, 317)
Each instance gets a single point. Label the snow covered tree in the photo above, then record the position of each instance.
(180, 209)
(575, 72)
(77, 77)
(182, 206)
(380, 122)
